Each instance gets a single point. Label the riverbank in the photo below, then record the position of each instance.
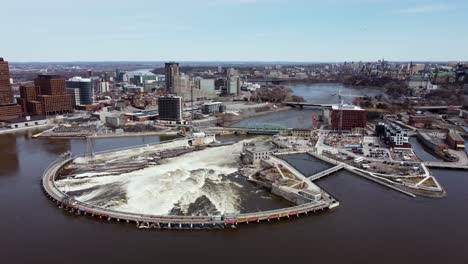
(113, 135)
(14, 130)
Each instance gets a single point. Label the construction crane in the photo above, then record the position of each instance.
(340, 106)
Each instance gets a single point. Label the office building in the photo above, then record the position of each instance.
(213, 108)
(232, 82)
(85, 88)
(170, 108)
(206, 85)
(53, 95)
(233, 85)
(9, 110)
(172, 77)
(75, 96)
(353, 117)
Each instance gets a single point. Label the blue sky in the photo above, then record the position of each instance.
(234, 30)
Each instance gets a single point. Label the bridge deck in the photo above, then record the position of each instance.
(326, 172)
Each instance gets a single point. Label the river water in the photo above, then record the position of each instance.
(372, 224)
(322, 93)
(325, 93)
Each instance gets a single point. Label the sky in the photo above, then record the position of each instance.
(234, 30)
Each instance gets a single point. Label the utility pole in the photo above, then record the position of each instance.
(89, 147)
(192, 110)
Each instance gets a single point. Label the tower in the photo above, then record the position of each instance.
(8, 109)
(172, 77)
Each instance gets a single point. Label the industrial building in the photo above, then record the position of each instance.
(420, 120)
(170, 108)
(455, 141)
(253, 153)
(85, 88)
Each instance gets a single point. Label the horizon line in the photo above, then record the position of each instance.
(234, 61)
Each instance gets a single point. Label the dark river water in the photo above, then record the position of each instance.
(372, 225)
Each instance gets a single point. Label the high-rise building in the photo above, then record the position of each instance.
(232, 82)
(207, 85)
(233, 85)
(53, 96)
(172, 77)
(29, 98)
(8, 109)
(75, 96)
(170, 108)
(6, 96)
(103, 87)
(85, 87)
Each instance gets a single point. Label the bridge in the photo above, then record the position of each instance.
(437, 107)
(326, 172)
(260, 129)
(302, 104)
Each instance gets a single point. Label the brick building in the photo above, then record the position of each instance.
(8, 109)
(353, 117)
(53, 96)
(455, 141)
(420, 120)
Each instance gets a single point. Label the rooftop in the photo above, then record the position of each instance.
(347, 107)
(79, 79)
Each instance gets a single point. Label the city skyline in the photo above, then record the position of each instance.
(235, 30)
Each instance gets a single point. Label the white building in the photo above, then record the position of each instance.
(253, 153)
(103, 87)
(207, 85)
(417, 83)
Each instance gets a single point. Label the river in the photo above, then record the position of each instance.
(325, 93)
(321, 93)
(372, 225)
